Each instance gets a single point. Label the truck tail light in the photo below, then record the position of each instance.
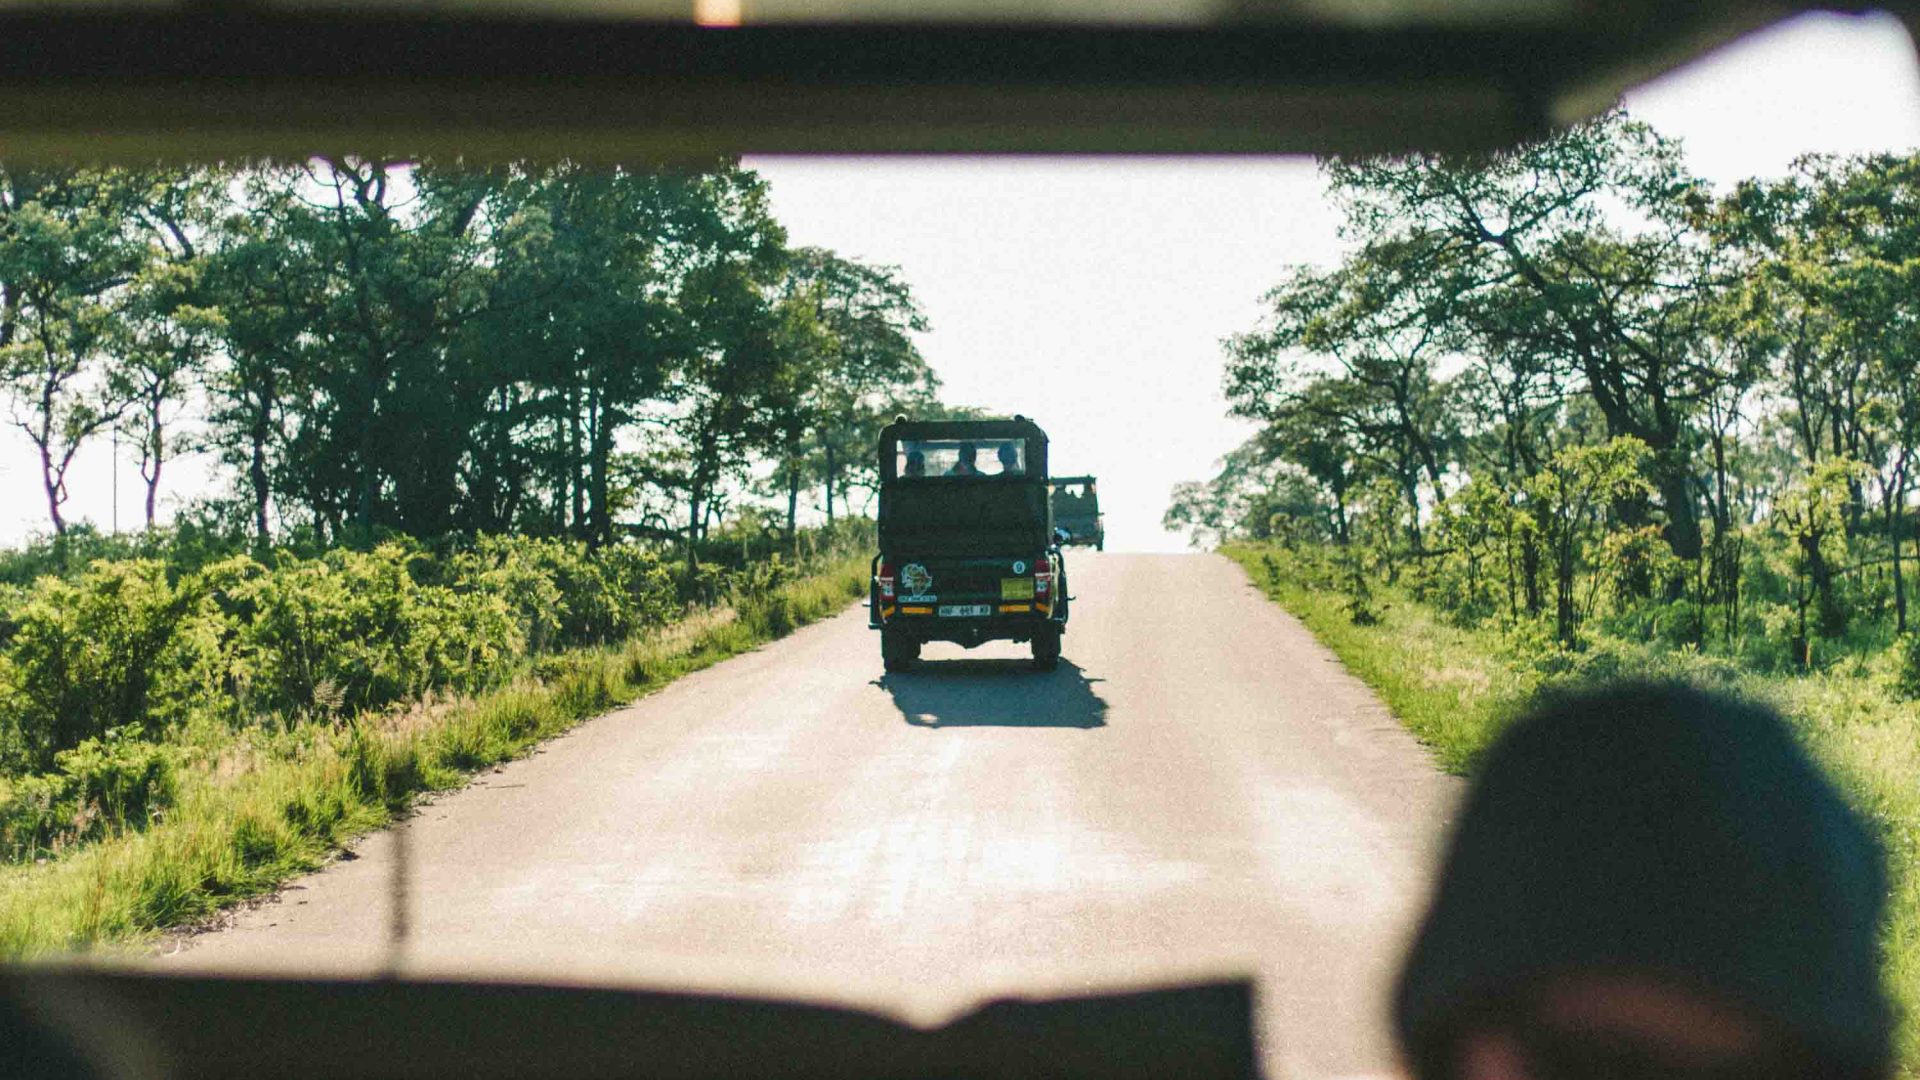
(1042, 584)
(886, 580)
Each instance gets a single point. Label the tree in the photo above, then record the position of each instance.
(849, 329)
(1584, 247)
(719, 400)
(70, 245)
(172, 322)
(1812, 515)
(1568, 500)
(1369, 322)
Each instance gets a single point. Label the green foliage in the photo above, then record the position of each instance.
(126, 652)
(373, 348)
(1570, 385)
(119, 646)
(101, 786)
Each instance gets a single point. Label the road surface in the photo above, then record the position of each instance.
(1199, 790)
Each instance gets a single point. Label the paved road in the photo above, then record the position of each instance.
(1199, 790)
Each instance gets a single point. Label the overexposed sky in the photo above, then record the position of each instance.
(1092, 294)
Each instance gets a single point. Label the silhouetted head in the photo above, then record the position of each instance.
(1651, 879)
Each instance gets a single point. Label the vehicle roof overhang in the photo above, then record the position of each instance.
(638, 81)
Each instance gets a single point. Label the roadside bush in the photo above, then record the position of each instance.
(119, 646)
(125, 779)
(353, 631)
(565, 594)
(136, 648)
(100, 787)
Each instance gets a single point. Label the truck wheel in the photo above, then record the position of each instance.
(1100, 544)
(1046, 649)
(898, 651)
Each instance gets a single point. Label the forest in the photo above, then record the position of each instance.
(369, 347)
(1574, 387)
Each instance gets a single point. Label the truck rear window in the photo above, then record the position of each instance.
(944, 458)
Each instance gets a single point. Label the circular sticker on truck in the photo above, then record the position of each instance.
(1019, 567)
(915, 578)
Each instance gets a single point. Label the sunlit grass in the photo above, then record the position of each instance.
(269, 806)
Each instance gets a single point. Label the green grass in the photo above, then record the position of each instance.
(265, 806)
(1457, 687)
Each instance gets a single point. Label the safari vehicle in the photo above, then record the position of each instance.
(1076, 512)
(967, 544)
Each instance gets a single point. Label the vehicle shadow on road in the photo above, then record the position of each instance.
(995, 693)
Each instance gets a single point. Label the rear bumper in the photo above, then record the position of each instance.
(922, 622)
(968, 630)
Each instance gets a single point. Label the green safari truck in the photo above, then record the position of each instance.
(968, 551)
(1076, 511)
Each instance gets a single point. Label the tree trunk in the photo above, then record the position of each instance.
(694, 510)
(1530, 572)
(257, 475)
(577, 504)
(153, 457)
(1564, 615)
(830, 476)
(1831, 619)
(1682, 533)
(1896, 519)
(793, 508)
(600, 455)
(52, 485)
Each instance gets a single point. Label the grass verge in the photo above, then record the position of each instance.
(1457, 687)
(270, 806)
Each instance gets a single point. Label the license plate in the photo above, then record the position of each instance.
(962, 611)
(1016, 588)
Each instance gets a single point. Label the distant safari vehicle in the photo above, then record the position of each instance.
(967, 545)
(1076, 510)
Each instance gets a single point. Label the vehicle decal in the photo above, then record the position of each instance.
(915, 578)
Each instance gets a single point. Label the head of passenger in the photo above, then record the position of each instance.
(916, 463)
(966, 464)
(1650, 880)
(1009, 459)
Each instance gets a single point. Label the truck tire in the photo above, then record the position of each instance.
(1046, 649)
(898, 651)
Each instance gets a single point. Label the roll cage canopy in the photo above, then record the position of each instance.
(983, 433)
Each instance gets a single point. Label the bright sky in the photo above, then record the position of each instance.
(1092, 294)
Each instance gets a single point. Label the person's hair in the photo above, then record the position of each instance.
(1664, 830)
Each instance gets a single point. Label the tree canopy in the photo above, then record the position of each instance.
(374, 346)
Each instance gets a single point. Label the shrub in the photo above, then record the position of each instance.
(117, 647)
(127, 780)
(354, 630)
(100, 787)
